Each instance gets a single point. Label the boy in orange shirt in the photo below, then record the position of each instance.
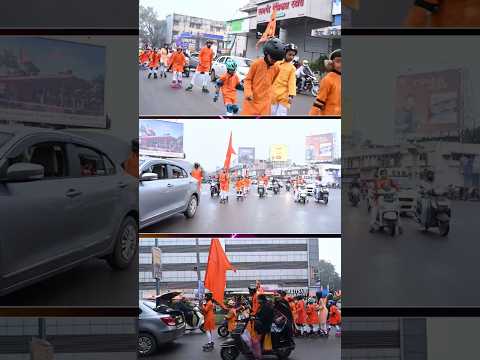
(228, 85)
(239, 186)
(285, 85)
(177, 62)
(329, 98)
(258, 85)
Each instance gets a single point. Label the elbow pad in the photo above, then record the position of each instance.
(219, 83)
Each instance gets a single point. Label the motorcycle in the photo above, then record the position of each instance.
(261, 190)
(310, 86)
(388, 212)
(223, 328)
(240, 195)
(282, 344)
(321, 193)
(436, 213)
(302, 195)
(214, 189)
(354, 196)
(276, 188)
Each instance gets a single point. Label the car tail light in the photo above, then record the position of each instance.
(169, 321)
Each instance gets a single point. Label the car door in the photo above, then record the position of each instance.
(181, 185)
(40, 214)
(219, 66)
(156, 200)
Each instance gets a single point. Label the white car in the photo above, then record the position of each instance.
(219, 68)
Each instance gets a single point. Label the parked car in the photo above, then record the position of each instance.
(193, 61)
(166, 188)
(157, 326)
(219, 68)
(65, 201)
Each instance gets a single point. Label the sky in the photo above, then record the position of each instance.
(209, 9)
(206, 140)
(331, 251)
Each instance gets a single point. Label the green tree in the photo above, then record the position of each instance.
(327, 275)
(152, 31)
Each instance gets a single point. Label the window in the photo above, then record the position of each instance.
(91, 162)
(177, 172)
(4, 137)
(51, 156)
(221, 60)
(109, 167)
(160, 170)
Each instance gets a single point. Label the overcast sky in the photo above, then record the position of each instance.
(208, 9)
(331, 251)
(206, 140)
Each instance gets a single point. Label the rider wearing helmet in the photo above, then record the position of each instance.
(228, 85)
(302, 71)
(383, 182)
(329, 98)
(284, 86)
(205, 59)
(258, 84)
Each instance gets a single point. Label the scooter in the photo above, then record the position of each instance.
(282, 344)
(302, 195)
(214, 189)
(354, 196)
(223, 328)
(437, 213)
(276, 188)
(261, 190)
(240, 195)
(287, 186)
(321, 194)
(388, 213)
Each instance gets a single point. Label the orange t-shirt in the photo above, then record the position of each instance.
(209, 314)
(205, 58)
(223, 179)
(312, 314)
(154, 60)
(232, 319)
(177, 61)
(239, 184)
(329, 97)
(335, 316)
(229, 88)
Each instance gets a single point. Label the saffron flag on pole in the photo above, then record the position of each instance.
(216, 273)
(230, 152)
(270, 30)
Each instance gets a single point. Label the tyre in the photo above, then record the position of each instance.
(444, 228)
(392, 229)
(212, 75)
(326, 200)
(126, 244)
(229, 353)
(283, 354)
(222, 331)
(191, 207)
(315, 90)
(147, 344)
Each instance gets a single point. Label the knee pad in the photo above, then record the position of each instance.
(235, 108)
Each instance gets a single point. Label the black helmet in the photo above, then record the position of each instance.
(275, 48)
(335, 54)
(291, 47)
(252, 288)
(208, 296)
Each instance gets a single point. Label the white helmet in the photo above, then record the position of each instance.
(305, 62)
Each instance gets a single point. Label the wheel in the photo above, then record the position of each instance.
(147, 344)
(212, 75)
(444, 228)
(202, 329)
(126, 245)
(191, 208)
(326, 200)
(315, 90)
(222, 331)
(392, 229)
(283, 354)
(229, 353)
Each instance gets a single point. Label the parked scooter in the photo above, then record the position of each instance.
(321, 193)
(388, 215)
(434, 211)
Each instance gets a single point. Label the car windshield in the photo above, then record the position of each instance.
(242, 62)
(4, 137)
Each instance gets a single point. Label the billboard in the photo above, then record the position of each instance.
(238, 26)
(286, 9)
(428, 103)
(52, 81)
(246, 155)
(278, 152)
(319, 147)
(161, 138)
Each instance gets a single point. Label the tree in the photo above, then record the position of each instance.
(327, 275)
(152, 31)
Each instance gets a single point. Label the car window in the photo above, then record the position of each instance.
(242, 62)
(91, 162)
(160, 170)
(51, 155)
(4, 137)
(177, 172)
(221, 60)
(109, 167)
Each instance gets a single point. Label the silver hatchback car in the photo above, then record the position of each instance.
(62, 201)
(166, 188)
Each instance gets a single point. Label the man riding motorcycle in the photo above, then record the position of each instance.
(302, 73)
(382, 183)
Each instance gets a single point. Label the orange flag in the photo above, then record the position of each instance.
(270, 30)
(216, 273)
(230, 152)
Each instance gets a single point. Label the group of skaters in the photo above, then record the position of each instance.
(314, 317)
(269, 87)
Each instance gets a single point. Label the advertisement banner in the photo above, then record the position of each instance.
(52, 81)
(336, 7)
(286, 9)
(161, 138)
(278, 152)
(428, 103)
(238, 26)
(319, 147)
(246, 155)
(157, 263)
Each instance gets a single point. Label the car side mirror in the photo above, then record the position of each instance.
(25, 172)
(149, 177)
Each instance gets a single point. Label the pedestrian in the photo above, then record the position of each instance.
(334, 318)
(153, 64)
(301, 315)
(284, 86)
(177, 62)
(258, 84)
(329, 97)
(197, 174)
(313, 320)
(208, 311)
(228, 85)
(131, 165)
(231, 316)
(323, 314)
(224, 181)
(163, 61)
(205, 59)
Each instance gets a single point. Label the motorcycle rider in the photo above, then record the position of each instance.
(381, 183)
(425, 201)
(208, 310)
(302, 72)
(263, 317)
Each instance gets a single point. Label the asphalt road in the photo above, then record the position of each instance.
(274, 214)
(416, 268)
(156, 97)
(189, 347)
(93, 283)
